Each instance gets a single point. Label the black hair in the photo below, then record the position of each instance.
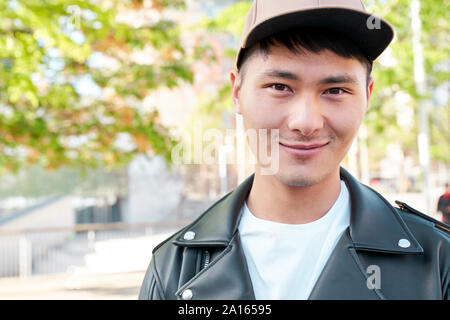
(310, 39)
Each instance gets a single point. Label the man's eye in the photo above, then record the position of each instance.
(279, 87)
(335, 91)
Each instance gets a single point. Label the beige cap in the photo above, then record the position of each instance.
(267, 17)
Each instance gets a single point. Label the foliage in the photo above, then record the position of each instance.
(397, 80)
(215, 110)
(229, 21)
(73, 75)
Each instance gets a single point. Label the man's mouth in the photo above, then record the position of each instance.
(303, 150)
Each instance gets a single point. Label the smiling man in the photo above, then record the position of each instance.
(309, 230)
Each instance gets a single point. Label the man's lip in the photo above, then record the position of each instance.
(303, 146)
(303, 150)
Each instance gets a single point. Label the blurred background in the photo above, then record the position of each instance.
(97, 95)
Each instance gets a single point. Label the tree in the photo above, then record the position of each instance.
(395, 97)
(73, 75)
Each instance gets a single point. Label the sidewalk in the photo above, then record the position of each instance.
(114, 286)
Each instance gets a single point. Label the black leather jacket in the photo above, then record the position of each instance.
(205, 259)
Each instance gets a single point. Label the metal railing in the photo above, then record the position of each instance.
(28, 252)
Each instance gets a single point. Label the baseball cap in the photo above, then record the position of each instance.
(371, 34)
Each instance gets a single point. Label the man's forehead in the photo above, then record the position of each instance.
(279, 55)
(325, 66)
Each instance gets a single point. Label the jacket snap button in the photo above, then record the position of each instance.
(404, 243)
(187, 294)
(190, 235)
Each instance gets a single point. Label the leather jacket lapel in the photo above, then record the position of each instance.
(217, 228)
(374, 224)
(343, 277)
(219, 223)
(225, 278)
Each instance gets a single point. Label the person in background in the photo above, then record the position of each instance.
(444, 205)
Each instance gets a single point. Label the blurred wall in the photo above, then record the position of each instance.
(154, 192)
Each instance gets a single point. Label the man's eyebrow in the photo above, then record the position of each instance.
(341, 78)
(278, 73)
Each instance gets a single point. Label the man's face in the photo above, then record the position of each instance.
(317, 101)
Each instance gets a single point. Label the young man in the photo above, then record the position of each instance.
(308, 230)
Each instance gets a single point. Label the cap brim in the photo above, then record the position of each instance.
(370, 33)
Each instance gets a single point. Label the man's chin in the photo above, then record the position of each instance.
(298, 180)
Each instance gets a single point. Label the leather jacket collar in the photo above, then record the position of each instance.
(369, 212)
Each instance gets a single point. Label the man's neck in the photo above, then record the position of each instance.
(271, 199)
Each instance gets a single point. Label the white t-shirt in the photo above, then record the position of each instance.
(285, 260)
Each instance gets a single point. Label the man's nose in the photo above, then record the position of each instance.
(306, 116)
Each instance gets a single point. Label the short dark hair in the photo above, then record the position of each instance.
(313, 40)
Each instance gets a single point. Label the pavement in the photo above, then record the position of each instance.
(112, 286)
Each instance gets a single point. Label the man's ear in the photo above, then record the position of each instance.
(370, 83)
(235, 87)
